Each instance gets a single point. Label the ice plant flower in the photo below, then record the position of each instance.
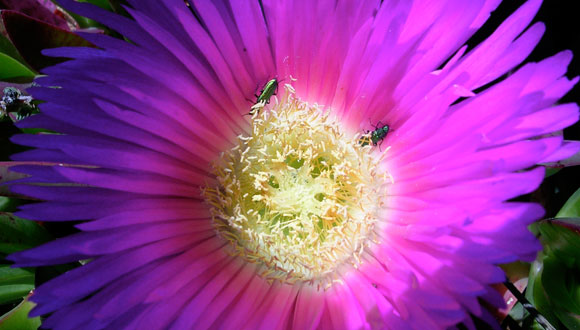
(198, 208)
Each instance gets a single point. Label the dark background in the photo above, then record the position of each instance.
(562, 32)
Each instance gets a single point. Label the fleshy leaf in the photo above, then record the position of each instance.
(562, 285)
(571, 208)
(8, 48)
(8, 204)
(18, 318)
(17, 234)
(11, 69)
(554, 281)
(101, 3)
(45, 11)
(4, 203)
(536, 294)
(570, 320)
(15, 276)
(30, 36)
(15, 283)
(551, 171)
(561, 239)
(14, 292)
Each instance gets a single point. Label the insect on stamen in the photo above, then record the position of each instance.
(266, 93)
(376, 136)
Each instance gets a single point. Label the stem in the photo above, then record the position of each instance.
(528, 306)
(510, 323)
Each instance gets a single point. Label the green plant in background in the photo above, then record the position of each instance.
(26, 27)
(554, 282)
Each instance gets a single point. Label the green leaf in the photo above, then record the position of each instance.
(11, 69)
(14, 292)
(562, 285)
(8, 204)
(551, 171)
(8, 248)
(560, 239)
(570, 320)
(8, 48)
(10, 275)
(536, 294)
(554, 281)
(4, 203)
(18, 318)
(18, 234)
(554, 291)
(572, 207)
(15, 283)
(101, 3)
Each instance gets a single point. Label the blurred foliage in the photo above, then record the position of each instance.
(18, 318)
(12, 70)
(553, 287)
(18, 234)
(555, 275)
(8, 49)
(15, 283)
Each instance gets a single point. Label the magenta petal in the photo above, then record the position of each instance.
(140, 124)
(251, 296)
(309, 309)
(344, 309)
(567, 149)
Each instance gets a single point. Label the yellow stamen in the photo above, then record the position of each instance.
(299, 196)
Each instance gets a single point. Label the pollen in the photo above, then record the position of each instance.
(298, 196)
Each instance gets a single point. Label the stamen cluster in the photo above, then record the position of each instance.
(298, 197)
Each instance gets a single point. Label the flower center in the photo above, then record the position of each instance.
(298, 196)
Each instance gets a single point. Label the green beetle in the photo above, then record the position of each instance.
(266, 93)
(375, 137)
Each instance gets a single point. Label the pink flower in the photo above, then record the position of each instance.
(202, 216)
